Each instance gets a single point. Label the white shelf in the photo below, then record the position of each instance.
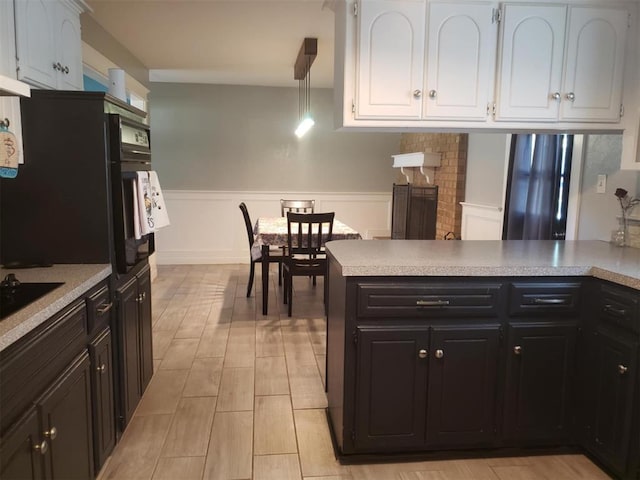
(11, 88)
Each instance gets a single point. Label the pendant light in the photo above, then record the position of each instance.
(302, 73)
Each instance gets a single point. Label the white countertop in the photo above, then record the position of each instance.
(77, 280)
(488, 258)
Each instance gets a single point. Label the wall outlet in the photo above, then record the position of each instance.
(601, 185)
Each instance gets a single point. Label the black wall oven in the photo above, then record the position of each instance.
(130, 153)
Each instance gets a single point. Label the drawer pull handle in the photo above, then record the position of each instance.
(41, 448)
(422, 353)
(104, 308)
(616, 311)
(432, 303)
(622, 369)
(549, 301)
(52, 433)
(517, 350)
(439, 353)
(101, 368)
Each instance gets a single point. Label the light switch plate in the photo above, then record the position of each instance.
(601, 185)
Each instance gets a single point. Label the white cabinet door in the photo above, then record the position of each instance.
(7, 40)
(461, 46)
(595, 55)
(530, 72)
(35, 42)
(69, 47)
(390, 58)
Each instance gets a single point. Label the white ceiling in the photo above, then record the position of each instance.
(245, 42)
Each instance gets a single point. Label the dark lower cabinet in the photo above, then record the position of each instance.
(136, 352)
(65, 419)
(21, 450)
(102, 394)
(540, 372)
(463, 368)
(391, 388)
(611, 398)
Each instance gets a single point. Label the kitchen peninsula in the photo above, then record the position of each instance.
(461, 345)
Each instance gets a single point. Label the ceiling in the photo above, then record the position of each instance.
(244, 42)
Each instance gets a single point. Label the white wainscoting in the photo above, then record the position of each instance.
(207, 226)
(481, 222)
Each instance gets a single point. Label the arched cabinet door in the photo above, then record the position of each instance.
(595, 55)
(530, 69)
(69, 49)
(390, 55)
(460, 60)
(35, 42)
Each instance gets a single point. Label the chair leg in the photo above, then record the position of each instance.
(285, 288)
(251, 273)
(279, 273)
(290, 295)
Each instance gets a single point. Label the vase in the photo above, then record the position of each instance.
(620, 237)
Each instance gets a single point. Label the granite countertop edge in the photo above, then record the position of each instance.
(77, 278)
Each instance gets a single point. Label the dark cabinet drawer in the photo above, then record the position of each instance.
(537, 298)
(433, 300)
(618, 306)
(99, 306)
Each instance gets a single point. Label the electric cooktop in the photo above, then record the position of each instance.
(15, 295)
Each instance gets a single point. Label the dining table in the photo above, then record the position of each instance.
(273, 232)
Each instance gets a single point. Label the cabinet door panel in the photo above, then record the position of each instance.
(19, 458)
(390, 58)
(595, 61)
(146, 349)
(613, 398)
(531, 62)
(391, 387)
(67, 408)
(35, 42)
(103, 397)
(129, 356)
(460, 60)
(69, 49)
(463, 369)
(540, 367)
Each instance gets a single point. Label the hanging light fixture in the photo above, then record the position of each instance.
(302, 73)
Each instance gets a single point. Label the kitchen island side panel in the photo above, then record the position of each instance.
(336, 317)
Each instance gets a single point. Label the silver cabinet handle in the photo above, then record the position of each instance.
(549, 301)
(41, 447)
(570, 96)
(432, 303)
(417, 93)
(104, 308)
(422, 353)
(439, 353)
(556, 96)
(517, 350)
(622, 369)
(101, 369)
(66, 69)
(52, 433)
(433, 94)
(617, 311)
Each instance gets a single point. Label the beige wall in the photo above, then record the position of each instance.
(240, 138)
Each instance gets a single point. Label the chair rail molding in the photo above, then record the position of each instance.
(207, 227)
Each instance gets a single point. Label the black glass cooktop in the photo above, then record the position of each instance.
(15, 297)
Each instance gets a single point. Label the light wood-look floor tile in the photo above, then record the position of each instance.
(307, 390)
(213, 341)
(180, 354)
(161, 340)
(163, 393)
(236, 390)
(241, 347)
(230, 447)
(332, 477)
(191, 428)
(269, 340)
(271, 376)
(139, 449)
(204, 378)
(314, 444)
(182, 468)
(280, 467)
(273, 426)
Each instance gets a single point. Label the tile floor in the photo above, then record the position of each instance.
(237, 395)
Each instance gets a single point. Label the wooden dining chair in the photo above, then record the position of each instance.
(306, 256)
(297, 206)
(275, 255)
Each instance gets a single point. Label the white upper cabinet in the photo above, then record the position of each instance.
(48, 44)
(460, 58)
(390, 58)
(595, 55)
(561, 63)
(7, 41)
(530, 73)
